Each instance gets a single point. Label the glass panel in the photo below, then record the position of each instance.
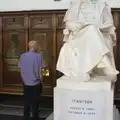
(13, 44)
(42, 46)
(13, 52)
(118, 19)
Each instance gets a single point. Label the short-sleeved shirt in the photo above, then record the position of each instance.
(31, 64)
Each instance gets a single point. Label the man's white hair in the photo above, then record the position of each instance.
(32, 44)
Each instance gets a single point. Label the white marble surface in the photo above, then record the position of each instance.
(73, 84)
(115, 111)
(114, 3)
(116, 114)
(82, 105)
(66, 98)
(18, 5)
(50, 117)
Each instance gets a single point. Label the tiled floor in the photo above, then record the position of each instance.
(11, 108)
(13, 117)
(50, 117)
(18, 111)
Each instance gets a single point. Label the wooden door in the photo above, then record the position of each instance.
(116, 16)
(41, 30)
(46, 49)
(59, 33)
(14, 44)
(14, 41)
(117, 87)
(1, 55)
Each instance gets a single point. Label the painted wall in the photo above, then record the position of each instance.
(18, 5)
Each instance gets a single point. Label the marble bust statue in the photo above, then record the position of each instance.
(89, 39)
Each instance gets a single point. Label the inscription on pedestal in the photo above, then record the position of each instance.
(80, 105)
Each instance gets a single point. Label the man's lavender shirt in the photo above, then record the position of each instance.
(31, 64)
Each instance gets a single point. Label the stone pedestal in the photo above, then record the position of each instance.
(92, 100)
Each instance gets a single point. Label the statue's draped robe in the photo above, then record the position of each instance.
(90, 42)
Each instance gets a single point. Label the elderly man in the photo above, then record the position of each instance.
(31, 64)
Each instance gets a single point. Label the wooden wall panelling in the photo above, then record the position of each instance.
(41, 30)
(60, 27)
(117, 54)
(1, 55)
(59, 38)
(46, 48)
(14, 44)
(117, 85)
(116, 17)
(55, 48)
(40, 21)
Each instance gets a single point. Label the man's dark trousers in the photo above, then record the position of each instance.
(31, 101)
